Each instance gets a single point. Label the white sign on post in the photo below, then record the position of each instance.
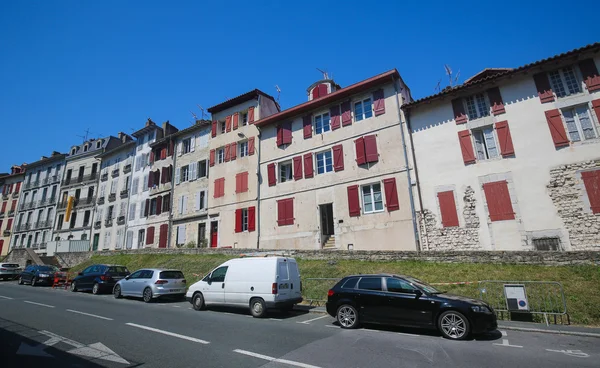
(516, 298)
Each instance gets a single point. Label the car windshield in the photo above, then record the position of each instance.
(48, 268)
(423, 285)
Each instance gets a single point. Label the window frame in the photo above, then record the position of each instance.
(325, 171)
(577, 121)
(564, 85)
(245, 219)
(200, 174)
(220, 155)
(476, 105)
(363, 115)
(282, 165)
(322, 119)
(372, 194)
(184, 173)
(242, 149)
(222, 127)
(244, 118)
(186, 146)
(482, 131)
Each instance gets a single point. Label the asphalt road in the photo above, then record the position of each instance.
(57, 328)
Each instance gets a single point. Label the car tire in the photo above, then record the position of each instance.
(117, 292)
(347, 316)
(33, 281)
(258, 308)
(198, 302)
(74, 286)
(96, 288)
(147, 295)
(454, 325)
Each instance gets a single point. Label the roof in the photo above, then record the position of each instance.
(198, 125)
(501, 74)
(60, 156)
(129, 144)
(238, 100)
(328, 99)
(486, 73)
(150, 125)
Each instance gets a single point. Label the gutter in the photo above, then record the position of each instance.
(257, 215)
(171, 195)
(406, 162)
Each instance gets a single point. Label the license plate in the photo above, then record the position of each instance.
(173, 290)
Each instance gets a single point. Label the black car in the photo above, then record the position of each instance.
(37, 275)
(406, 301)
(99, 278)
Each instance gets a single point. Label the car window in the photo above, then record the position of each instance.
(218, 275)
(88, 270)
(147, 274)
(47, 268)
(370, 283)
(136, 274)
(350, 283)
(118, 269)
(171, 275)
(11, 265)
(399, 286)
(29, 268)
(283, 271)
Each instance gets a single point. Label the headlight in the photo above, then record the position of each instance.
(44, 275)
(480, 309)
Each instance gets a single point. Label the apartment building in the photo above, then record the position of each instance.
(510, 159)
(11, 190)
(110, 221)
(37, 208)
(190, 187)
(233, 162)
(334, 170)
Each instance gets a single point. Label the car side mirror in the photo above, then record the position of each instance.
(80, 273)
(127, 277)
(418, 293)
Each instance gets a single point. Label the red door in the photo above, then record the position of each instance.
(162, 237)
(214, 234)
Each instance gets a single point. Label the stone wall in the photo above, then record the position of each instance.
(453, 238)
(20, 256)
(567, 191)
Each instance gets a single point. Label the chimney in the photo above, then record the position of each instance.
(55, 153)
(43, 158)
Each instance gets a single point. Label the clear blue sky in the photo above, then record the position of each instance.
(67, 66)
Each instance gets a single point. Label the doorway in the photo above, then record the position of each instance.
(326, 213)
(96, 241)
(214, 234)
(201, 235)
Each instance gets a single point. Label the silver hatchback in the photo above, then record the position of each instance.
(9, 271)
(151, 283)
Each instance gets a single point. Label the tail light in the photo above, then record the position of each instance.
(160, 282)
(330, 293)
(104, 277)
(274, 288)
(2, 269)
(183, 281)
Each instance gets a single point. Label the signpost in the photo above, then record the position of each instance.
(516, 298)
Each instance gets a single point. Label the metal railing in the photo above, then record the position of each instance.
(23, 227)
(15, 195)
(114, 173)
(104, 177)
(121, 220)
(124, 193)
(314, 290)
(112, 197)
(28, 205)
(127, 168)
(51, 180)
(101, 200)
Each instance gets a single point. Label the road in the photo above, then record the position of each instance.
(58, 328)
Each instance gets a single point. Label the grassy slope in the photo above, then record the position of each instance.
(581, 283)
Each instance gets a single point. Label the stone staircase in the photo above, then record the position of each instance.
(329, 242)
(51, 261)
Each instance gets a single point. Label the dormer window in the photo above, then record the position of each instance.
(564, 82)
(73, 150)
(477, 106)
(85, 148)
(99, 144)
(319, 90)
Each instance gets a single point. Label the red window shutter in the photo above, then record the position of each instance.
(3, 207)
(9, 224)
(338, 158)
(238, 220)
(346, 113)
(496, 101)
(171, 148)
(233, 151)
(334, 112)
(228, 124)
(287, 133)
(1, 221)
(498, 201)
(289, 211)
(542, 84)
(466, 146)
(167, 203)
(212, 157)
(18, 187)
(379, 102)
(371, 154)
(227, 154)
(250, 146)
(353, 201)
(281, 204)
(459, 111)
(216, 188)
(151, 157)
(158, 205)
(163, 176)
(235, 120)
(163, 235)
(150, 179)
(590, 74)
(297, 167)
(170, 174)
(147, 208)
(163, 153)
(506, 144)
(239, 185)
(360, 151)
(322, 90)
(448, 208)
(251, 115)
(222, 187)
(591, 180)
(245, 181)
(214, 129)
(557, 129)
(307, 126)
(279, 135)
(391, 194)
(308, 166)
(13, 205)
(315, 92)
(157, 177)
(150, 235)
(596, 107)
(271, 174)
(251, 218)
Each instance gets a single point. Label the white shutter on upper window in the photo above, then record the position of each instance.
(192, 143)
(193, 172)
(197, 196)
(185, 199)
(132, 212)
(142, 208)
(181, 199)
(177, 175)
(179, 148)
(181, 234)
(129, 241)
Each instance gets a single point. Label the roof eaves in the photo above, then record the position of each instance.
(237, 100)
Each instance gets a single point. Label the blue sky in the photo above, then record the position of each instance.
(67, 66)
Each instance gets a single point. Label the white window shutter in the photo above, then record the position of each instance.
(179, 148)
(192, 143)
(181, 204)
(129, 241)
(205, 199)
(184, 200)
(177, 174)
(197, 195)
(193, 172)
(182, 234)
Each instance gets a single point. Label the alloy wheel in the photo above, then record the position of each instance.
(147, 295)
(347, 316)
(453, 326)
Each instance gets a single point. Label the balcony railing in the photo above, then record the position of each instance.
(84, 202)
(121, 220)
(97, 225)
(48, 201)
(51, 180)
(112, 197)
(62, 205)
(124, 193)
(28, 205)
(23, 227)
(15, 195)
(42, 224)
(104, 177)
(127, 168)
(80, 179)
(115, 173)
(2, 214)
(4, 196)
(6, 233)
(11, 212)
(101, 200)
(108, 222)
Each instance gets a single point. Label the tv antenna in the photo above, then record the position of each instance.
(278, 92)
(194, 115)
(325, 75)
(85, 137)
(437, 87)
(201, 110)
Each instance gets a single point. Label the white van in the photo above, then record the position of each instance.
(257, 283)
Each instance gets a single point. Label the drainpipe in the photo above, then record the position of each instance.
(408, 177)
(258, 185)
(171, 197)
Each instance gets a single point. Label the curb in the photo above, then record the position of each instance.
(556, 332)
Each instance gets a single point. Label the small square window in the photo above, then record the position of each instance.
(243, 147)
(322, 123)
(244, 118)
(363, 109)
(245, 219)
(372, 198)
(485, 143)
(285, 171)
(220, 155)
(477, 106)
(564, 82)
(185, 173)
(324, 162)
(223, 126)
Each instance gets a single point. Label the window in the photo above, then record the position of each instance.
(132, 211)
(372, 198)
(245, 219)
(135, 185)
(564, 82)
(322, 123)
(363, 109)
(185, 173)
(243, 149)
(579, 123)
(219, 190)
(144, 183)
(477, 106)
(222, 125)
(485, 143)
(244, 118)
(153, 206)
(142, 209)
(324, 162)
(370, 283)
(187, 145)
(218, 275)
(241, 182)
(61, 219)
(220, 155)
(202, 169)
(498, 201)
(399, 286)
(546, 244)
(285, 171)
(591, 181)
(350, 283)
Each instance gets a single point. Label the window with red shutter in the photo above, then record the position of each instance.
(166, 203)
(379, 102)
(334, 112)
(448, 208)
(353, 201)
(542, 84)
(233, 150)
(228, 123)
(371, 154)
(235, 120)
(163, 236)
(297, 167)
(557, 129)
(147, 208)
(9, 224)
(151, 157)
(504, 138)
(315, 93)
(596, 107)
(498, 201)
(250, 146)
(285, 212)
(150, 235)
(307, 126)
(251, 115)
(241, 182)
(150, 179)
(212, 157)
(214, 129)
(238, 220)
(459, 111)
(591, 180)
(217, 188)
(279, 135)
(308, 166)
(496, 101)
(346, 113)
(251, 219)
(360, 151)
(158, 205)
(589, 71)
(466, 146)
(391, 194)
(287, 133)
(338, 158)
(271, 174)
(227, 153)
(322, 90)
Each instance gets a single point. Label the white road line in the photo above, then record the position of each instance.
(275, 319)
(43, 305)
(332, 326)
(89, 314)
(168, 333)
(5, 297)
(503, 333)
(276, 360)
(310, 320)
(176, 306)
(505, 343)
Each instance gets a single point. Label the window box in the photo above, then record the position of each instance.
(115, 173)
(97, 225)
(112, 197)
(121, 220)
(124, 193)
(127, 169)
(101, 200)
(104, 177)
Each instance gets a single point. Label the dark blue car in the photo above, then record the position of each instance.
(38, 275)
(99, 278)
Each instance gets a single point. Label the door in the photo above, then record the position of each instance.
(372, 299)
(127, 284)
(89, 274)
(139, 284)
(96, 241)
(283, 280)
(214, 234)
(214, 289)
(201, 234)
(405, 307)
(326, 212)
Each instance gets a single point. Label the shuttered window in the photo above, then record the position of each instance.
(334, 111)
(271, 174)
(366, 149)
(485, 143)
(590, 74)
(322, 123)
(363, 109)
(466, 147)
(212, 157)
(308, 165)
(149, 235)
(213, 131)
(557, 130)
(338, 158)
(579, 123)
(346, 113)
(459, 111)
(228, 124)
(542, 84)
(448, 208)
(251, 219)
(372, 198)
(496, 101)
(250, 146)
(498, 201)
(219, 187)
(379, 102)
(233, 150)
(307, 126)
(235, 120)
(251, 115)
(391, 194)
(504, 139)
(591, 180)
(241, 182)
(164, 235)
(285, 212)
(297, 167)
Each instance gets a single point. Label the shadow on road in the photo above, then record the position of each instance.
(272, 313)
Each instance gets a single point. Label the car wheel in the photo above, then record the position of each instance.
(198, 302)
(258, 308)
(96, 288)
(347, 316)
(453, 325)
(74, 286)
(33, 281)
(117, 291)
(147, 295)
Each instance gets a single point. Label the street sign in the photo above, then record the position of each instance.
(516, 297)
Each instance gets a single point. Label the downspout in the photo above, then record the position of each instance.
(408, 177)
(172, 193)
(95, 205)
(258, 183)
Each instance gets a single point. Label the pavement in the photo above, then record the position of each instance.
(58, 328)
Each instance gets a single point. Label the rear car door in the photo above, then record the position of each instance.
(405, 307)
(214, 290)
(372, 300)
(283, 280)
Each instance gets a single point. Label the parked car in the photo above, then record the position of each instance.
(152, 283)
(406, 301)
(37, 275)
(9, 271)
(255, 283)
(99, 278)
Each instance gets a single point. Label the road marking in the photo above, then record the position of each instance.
(310, 320)
(168, 333)
(276, 360)
(43, 305)
(5, 297)
(96, 351)
(573, 353)
(176, 306)
(275, 319)
(504, 333)
(89, 314)
(505, 343)
(332, 326)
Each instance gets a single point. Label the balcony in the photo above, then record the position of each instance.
(112, 197)
(127, 169)
(4, 196)
(79, 180)
(15, 195)
(48, 201)
(104, 177)
(62, 205)
(51, 180)
(11, 212)
(121, 220)
(23, 227)
(101, 200)
(124, 193)
(42, 224)
(108, 222)
(114, 173)
(6, 233)
(97, 225)
(28, 205)
(84, 202)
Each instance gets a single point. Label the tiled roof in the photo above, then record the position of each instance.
(238, 99)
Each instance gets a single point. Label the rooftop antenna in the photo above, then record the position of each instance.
(456, 78)
(325, 75)
(202, 110)
(85, 137)
(278, 92)
(194, 115)
(448, 73)
(437, 87)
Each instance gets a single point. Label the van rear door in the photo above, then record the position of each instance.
(283, 279)
(295, 282)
